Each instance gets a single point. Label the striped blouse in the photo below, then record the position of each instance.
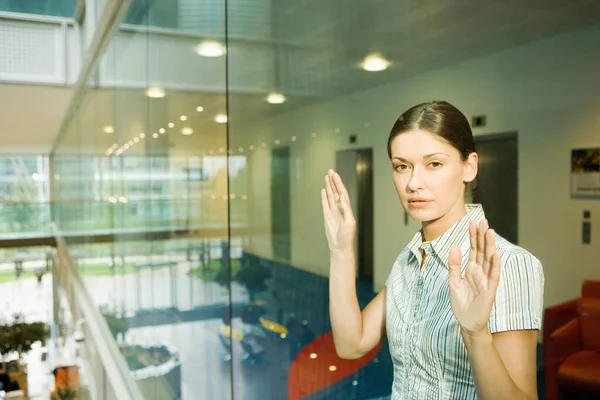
(428, 353)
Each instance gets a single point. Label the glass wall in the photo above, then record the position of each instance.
(187, 185)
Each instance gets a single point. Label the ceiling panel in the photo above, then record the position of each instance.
(320, 44)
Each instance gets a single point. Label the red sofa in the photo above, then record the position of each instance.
(571, 346)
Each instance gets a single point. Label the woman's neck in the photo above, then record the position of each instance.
(436, 228)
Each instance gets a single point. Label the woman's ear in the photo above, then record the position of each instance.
(471, 165)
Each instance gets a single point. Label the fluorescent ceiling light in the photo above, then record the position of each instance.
(210, 48)
(275, 98)
(374, 62)
(155, 92)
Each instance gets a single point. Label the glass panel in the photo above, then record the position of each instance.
(56, 8)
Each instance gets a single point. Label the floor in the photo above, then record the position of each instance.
(167, 306)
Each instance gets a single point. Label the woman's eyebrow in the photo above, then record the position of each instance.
(424, 157)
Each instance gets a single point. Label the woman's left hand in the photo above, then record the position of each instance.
(473, 295)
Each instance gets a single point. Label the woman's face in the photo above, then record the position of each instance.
(429, 175)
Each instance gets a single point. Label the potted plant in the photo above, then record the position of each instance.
(17, 335)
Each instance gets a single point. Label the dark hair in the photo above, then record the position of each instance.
(438, 118)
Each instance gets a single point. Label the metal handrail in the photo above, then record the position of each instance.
(117, 371)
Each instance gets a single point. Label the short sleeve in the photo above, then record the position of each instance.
(519, 299)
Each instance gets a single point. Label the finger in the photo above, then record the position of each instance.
(324, 201)
(339, 185)
(495, 272)
(329, 191)
(490, 250)
(473, 241)
(454, 266)
(334, 188)
(345, 204)
(481, 241)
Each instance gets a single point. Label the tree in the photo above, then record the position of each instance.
(252, 275)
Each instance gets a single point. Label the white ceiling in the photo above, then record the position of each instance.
(334, 34)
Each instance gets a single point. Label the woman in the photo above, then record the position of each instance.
(462, 306)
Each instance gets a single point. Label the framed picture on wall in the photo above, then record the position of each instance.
(585, 172)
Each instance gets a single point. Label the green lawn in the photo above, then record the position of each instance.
(9, 276)
(101, 269)
(97, 269)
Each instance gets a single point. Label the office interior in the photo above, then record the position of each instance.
(161, 230)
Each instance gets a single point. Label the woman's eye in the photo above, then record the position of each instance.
(400, 167)
(435, 164)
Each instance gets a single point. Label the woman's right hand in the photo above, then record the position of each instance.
(340, 225)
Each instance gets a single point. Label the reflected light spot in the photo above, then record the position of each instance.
(332, 368)
(155, 92)
(313, 355)
(220, 118)
(275, 98)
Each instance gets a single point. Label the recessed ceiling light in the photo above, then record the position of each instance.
(374, 62)
(187, 131)
(155, 92)
(199, 108)
(136, 139)
(155, 135)
(210, 48)
(142, 135)
(131, 142)
(221, 118)
(162, 130)
(108, 129)
(183, 118)
(171, 125)
(275, 98)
